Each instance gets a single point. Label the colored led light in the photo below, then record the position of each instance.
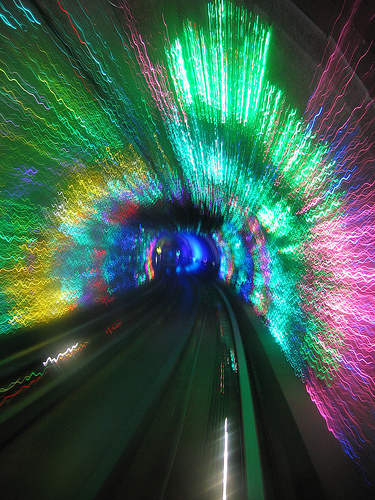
(94, 132)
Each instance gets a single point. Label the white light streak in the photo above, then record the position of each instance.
(60, 355)
(225, 472)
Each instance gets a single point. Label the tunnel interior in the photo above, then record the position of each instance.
(186, 253)
(231, 140)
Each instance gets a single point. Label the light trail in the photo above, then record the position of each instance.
(225, 469)
(101, 124)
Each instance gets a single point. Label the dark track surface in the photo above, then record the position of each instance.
(139, 413)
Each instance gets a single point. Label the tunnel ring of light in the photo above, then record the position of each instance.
(83, 154)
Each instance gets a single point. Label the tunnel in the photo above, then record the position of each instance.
(187, 293)
(186, 253)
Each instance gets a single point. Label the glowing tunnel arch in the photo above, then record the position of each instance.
(186, 252)
(303, 182)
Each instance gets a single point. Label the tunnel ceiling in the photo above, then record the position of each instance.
(178, 215)
(244, 120)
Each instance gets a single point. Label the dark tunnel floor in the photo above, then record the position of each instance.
(140, 413)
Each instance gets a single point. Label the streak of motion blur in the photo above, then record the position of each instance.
(187, 248)
(138, 412)
(156, 396)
